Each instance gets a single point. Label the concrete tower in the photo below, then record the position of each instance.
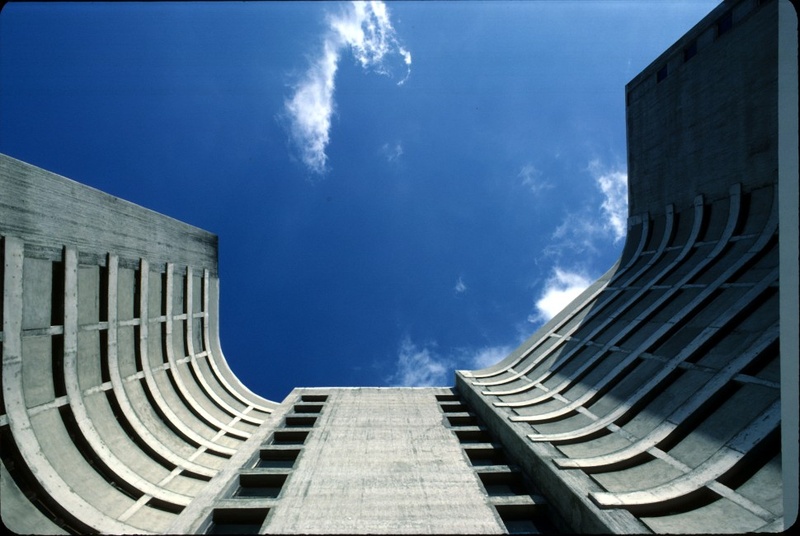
(663, 399)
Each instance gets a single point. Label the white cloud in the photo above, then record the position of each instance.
(460, 287)
(420, 367)
(614, 185)
(559, 290)
(363, 27)
(424, 366)
(392, 152)
(531, 177)
(488, 356)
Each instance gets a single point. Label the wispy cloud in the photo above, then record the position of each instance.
(614, 185)
(366, 30)
(460, 287)
(420, 367)
(427, 366)
(532, 178)
(392, 152)
(488, 356)
(559, 290)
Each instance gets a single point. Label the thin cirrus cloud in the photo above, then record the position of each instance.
(531, 178)
(424, 366)
(366, 30)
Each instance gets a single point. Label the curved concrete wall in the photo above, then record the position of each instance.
(653, 402)
(118, 407)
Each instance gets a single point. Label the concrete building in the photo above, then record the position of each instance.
(663, 399)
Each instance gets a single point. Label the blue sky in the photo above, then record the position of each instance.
(400, 190)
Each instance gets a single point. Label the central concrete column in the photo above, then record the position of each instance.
(380, 461)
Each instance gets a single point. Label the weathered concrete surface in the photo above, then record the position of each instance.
(706, 119)
(655, 402)
(382, 461)
(46, 210)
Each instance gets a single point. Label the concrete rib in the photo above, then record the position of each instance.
(175, 371)
(717, 465)
(597, 311)
(118, 389)
(756, 248)
(653, 381)
(198, 374)
(75, 397)
(609, 320)
(677, 417)
(19, 422)
(161, 404)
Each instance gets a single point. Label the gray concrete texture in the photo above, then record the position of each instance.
(381, 461)
(118, 406)
(662, 399)
(654, 401)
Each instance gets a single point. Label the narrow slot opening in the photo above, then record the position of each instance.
(277, 458)
(473, 436)
(237, 520)
(503, 484)
(480, 457)
(314, 398)
(524, 519)
(307, 408)
(299, 421)
(690, 51)
(57, 295)
(286, 437)
(725, 23)
(103, 294)
(57, 360)
(137, 294)
(264, 485)
(454, 408)
(462, 420)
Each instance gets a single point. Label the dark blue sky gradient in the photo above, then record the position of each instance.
(351, 277)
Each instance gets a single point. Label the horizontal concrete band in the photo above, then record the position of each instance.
(48, 210)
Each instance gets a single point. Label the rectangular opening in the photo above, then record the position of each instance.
(454, 407)
(288, 437)
(299, 421)
(314, 398)
(524, 519)
(447, 398)
(462, 420)
(662, 73)
(277, 458)
(480, 457)
(307, 408)
(57, 294)
(473, 436)
(503, 484)
(237, 520)
(690, 51)
(725, 23)
(265, 485)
